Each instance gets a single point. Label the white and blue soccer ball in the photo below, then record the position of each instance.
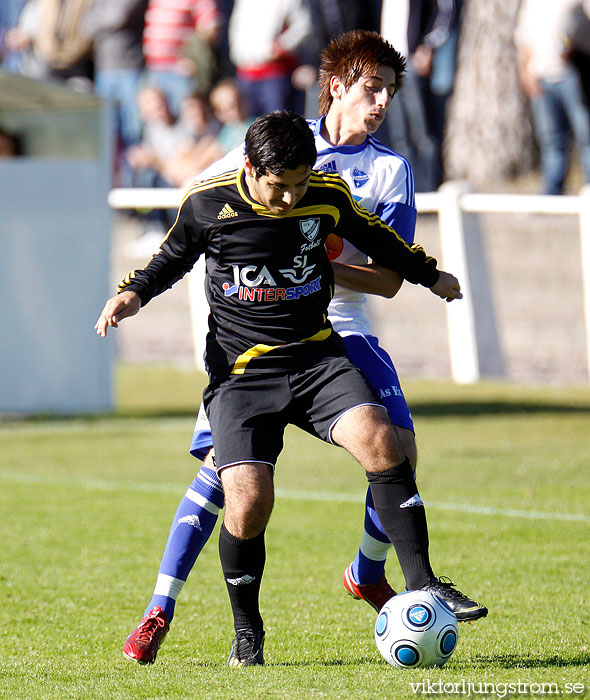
(416, 629)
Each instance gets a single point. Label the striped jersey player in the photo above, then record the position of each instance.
(353, 99)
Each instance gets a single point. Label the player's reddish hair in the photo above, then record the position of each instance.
(354, 54)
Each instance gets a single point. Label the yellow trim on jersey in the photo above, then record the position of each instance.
(243, 359)
(125, 282)
(228, 178)
(338, 183)
(318, 179)
(258, 350)
(320, 335)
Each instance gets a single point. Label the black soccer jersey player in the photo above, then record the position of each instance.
(271, 354)
(269, 280)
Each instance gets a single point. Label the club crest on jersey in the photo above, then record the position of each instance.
(310, 228)
(359, 177)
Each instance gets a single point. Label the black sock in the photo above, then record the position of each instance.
(401, 512)
(243, 562)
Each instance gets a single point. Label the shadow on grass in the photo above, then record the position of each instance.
(435, 409)
(507, 661)
(490, 408)
(311, 663)
(438, 409)
(516, 661)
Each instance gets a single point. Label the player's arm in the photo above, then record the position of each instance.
(177, 254)
(396, 208)
(370, 278)
(383, 245)
(116, 309)
(447, 286)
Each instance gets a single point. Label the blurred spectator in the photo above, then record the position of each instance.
(162, 136)
(115, 28)
(210, 53)
(334, 17)
(63, 50)
(200, 129)
(19, 43)
(419, 29)
(329, 19)
(435, 62)
(10, 11)
(578, 46)
(172, 30)
(171, 152)
(230, 108)
(264, 42)
(554, 88)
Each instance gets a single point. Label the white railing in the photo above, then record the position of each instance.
(474, 345)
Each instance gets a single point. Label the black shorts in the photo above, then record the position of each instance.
(248, 413)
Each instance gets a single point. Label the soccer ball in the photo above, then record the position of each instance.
(416, 629)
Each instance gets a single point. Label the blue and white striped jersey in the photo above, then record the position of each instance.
(382, 182)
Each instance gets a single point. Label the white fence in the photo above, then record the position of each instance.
(474, 344)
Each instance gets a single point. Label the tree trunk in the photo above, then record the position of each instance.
(489, 134)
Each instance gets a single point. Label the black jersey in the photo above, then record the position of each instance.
(269, 280)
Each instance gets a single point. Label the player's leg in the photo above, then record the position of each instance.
(250, 495)
(365, 578)
(331, 392)
(247, 420)
(379, 452)
(366, 433)
(191, 527)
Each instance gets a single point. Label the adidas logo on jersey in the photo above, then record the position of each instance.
(329, 167)
(227, 212)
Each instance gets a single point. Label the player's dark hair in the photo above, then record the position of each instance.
(351, 55)
(279, 141)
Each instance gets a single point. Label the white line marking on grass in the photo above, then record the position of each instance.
(457, 507)
(321, 496)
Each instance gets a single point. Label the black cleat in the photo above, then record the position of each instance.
(465, 609)
(246, 649)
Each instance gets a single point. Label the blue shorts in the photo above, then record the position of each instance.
(378, 369)
(376, 366)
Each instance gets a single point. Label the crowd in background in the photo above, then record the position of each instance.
(189, 76)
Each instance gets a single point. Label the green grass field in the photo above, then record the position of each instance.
(86, 504)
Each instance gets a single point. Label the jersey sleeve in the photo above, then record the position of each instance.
(400, 217)
(396, 197)
(178, 253)
(369, 234)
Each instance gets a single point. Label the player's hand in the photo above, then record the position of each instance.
(115, 310)
(447, 286)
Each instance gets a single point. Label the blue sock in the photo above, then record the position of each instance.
(191, 528)
(369, 563)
